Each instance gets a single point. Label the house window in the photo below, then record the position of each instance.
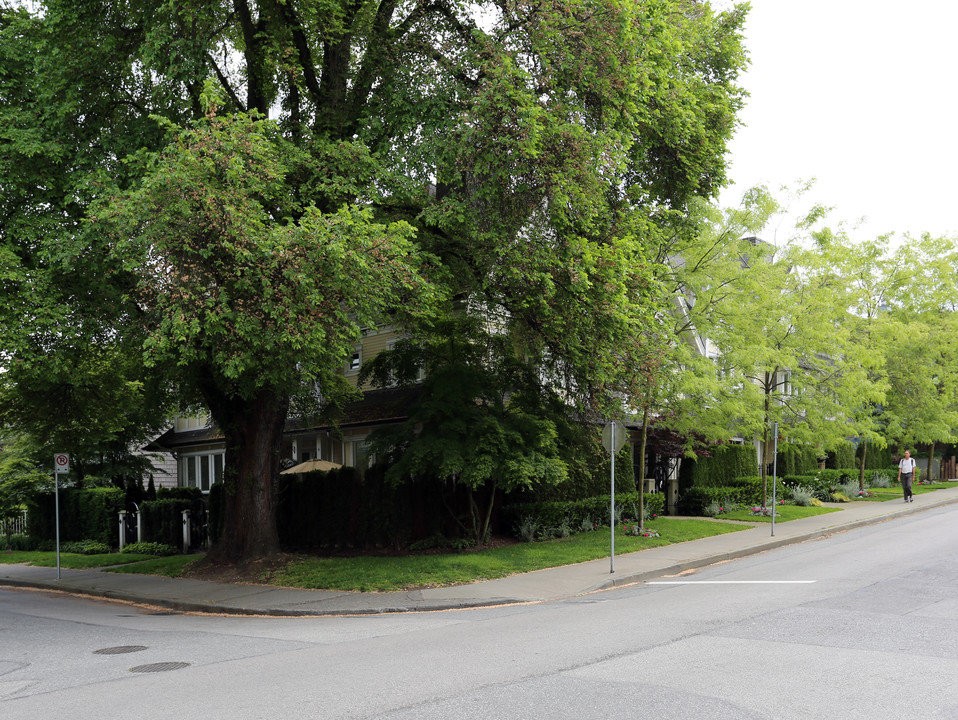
(363, 457)
(355, 361)
(200, 471)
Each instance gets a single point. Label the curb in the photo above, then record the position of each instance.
(771, 544)
(465, 603)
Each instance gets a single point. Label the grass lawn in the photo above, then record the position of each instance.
(783, 513)
(73, 561)
(894, 493)
(171, 566)
(368, 573)
(397, 573)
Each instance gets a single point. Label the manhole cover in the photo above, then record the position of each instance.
(159, 667)
(120, 650)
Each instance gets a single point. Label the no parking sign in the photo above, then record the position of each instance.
(61, 463)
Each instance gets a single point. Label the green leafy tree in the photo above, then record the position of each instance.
(922, 349)
(246, 306)
(787, 350)
(522, 143)
(20, 480)
(479, 423)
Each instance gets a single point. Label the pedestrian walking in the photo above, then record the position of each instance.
(906, 473)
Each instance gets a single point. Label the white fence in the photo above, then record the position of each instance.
(15, 526)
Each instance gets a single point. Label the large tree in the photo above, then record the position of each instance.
(788, 350)
(523, 142)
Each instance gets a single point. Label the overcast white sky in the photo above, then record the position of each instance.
(861, 96)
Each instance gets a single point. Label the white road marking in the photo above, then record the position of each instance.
(730, 582)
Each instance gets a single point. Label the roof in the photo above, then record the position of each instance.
(375, 407)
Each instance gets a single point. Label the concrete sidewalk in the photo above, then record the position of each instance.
(202, 596)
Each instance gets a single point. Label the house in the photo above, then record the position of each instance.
(199, 447)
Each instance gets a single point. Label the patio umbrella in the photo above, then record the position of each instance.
(312, 466)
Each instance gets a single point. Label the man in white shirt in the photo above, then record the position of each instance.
(906, 472)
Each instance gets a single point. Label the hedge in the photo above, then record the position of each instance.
(91, 514)
(342, 508)
(842, 456)
(875, 458)
(726, 463)
(741, 491)
(579, 513)
(797, 460)
(163, 518)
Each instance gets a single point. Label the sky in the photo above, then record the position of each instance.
(861, 97)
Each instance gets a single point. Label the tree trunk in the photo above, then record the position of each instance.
(765, 440)
(931, 462)
(254, 431)
(861, 471)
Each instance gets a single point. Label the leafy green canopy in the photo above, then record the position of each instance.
(243, 289)
(532, 147)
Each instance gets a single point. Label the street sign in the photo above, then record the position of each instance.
(621, 436)
(61, 463)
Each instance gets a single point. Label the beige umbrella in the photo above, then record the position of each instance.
(312, 466)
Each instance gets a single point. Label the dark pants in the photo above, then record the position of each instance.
(906, 483)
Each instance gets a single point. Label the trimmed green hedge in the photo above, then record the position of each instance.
(163, 518)
(726, 463)
(91, 514)
(579, 513)
(797, 460)
(841, 457)
(741, 491)
(875, 459)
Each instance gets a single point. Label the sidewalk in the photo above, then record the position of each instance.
(542, 585)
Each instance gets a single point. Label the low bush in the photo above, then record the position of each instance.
(85, 547)
(801, 495)
(178, 493)
(22, 543)
(149, 548)
(560, 519)
(695, 500)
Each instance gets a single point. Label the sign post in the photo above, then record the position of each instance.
(61, 464)
(613, 438)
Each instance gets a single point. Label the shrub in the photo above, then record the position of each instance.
(713, 509)
(88, 514)
(752, 487)
(695, 500)
(177, 493)
(527, 529)
(22, 543)
(149, 548)
(557, 517)
(802, 495)
(85, 547)
(842, 456)
(726, 463)
(798, 460)
(880, 479)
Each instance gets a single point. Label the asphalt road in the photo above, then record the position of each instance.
(862, 624)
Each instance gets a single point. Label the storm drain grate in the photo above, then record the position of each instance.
(159, 667)
(120, 650)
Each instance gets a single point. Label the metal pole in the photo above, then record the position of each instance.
(56, 504)
(612, 504)
(774, 475)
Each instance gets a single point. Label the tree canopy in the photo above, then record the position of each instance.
(222, 191)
